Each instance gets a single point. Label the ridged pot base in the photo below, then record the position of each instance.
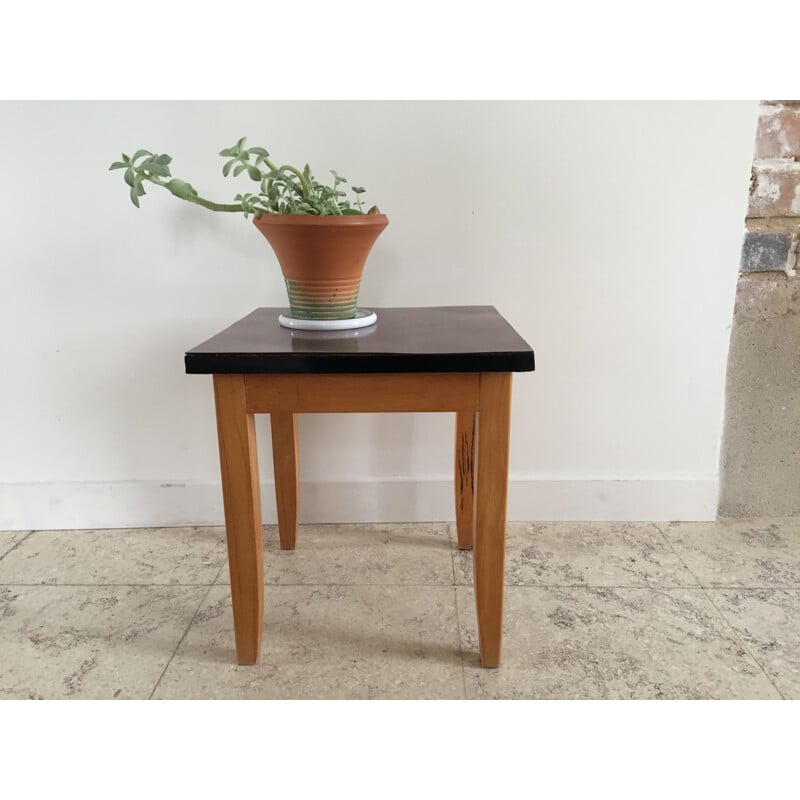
(322, 259)
(323, 299)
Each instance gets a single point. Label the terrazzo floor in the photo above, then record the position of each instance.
(593, 610)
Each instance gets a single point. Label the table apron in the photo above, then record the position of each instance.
(360, 393)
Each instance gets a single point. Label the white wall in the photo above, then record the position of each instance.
(607, 233)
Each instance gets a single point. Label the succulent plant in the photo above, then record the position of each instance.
(281, 189)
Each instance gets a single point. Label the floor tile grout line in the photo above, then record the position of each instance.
(725, 623)
(180, 641)
(742, 643)
(452, 554)
(458, 636)
(677, 554)
(188, 627)
(653, 587)
(219, 572)
(460, 645)
(101, 585)
(729, 587)
(17, 544)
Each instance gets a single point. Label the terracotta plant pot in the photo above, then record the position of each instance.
(322, 259)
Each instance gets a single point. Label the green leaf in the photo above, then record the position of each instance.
(228, 152)
(259, 151)
(359, 189)
(240, 143)
(117, 165)
(254, 173)
(163, 159)
(227, 167)
(238, 169)
(139, 189)
(134, 197)
(140, 153)
(156, 169)
(129, 177)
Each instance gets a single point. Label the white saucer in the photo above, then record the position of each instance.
(363, 319)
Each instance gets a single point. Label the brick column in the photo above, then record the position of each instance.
(760, 459)
(773, 216)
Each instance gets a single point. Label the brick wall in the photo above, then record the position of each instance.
(773, 216)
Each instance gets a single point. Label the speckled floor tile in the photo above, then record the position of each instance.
(144, 556)
(605, 643)
(593, 610)
(10, 539)
(768, 623)
(89, 642)
(407, 553)
(336, 642)
(744, 553)
(584, 554)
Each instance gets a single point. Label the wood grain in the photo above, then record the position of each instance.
(481, 472)
(242, 501)
(456, 391)
(490, 511)
(464, 478)
(286, 466)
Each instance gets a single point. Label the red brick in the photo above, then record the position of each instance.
(778, 134)
(775, 192)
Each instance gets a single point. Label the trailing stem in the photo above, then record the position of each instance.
(282, 190)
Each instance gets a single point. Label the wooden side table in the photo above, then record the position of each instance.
(456, 359)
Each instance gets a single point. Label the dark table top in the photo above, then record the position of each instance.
(443, 339)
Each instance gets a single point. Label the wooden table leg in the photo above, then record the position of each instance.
(490, 513)
(242, 498)
(284, 460)
(464, 479)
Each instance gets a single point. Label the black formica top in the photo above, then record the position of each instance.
(443, 339)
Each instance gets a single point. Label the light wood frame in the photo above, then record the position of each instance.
(482, 404)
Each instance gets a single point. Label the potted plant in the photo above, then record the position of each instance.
(320, 237)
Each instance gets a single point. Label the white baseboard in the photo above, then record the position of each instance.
(137, 504)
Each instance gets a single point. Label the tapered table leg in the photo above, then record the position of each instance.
(285, 462)
(464, 478)
(242, 499)
(490, 511)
